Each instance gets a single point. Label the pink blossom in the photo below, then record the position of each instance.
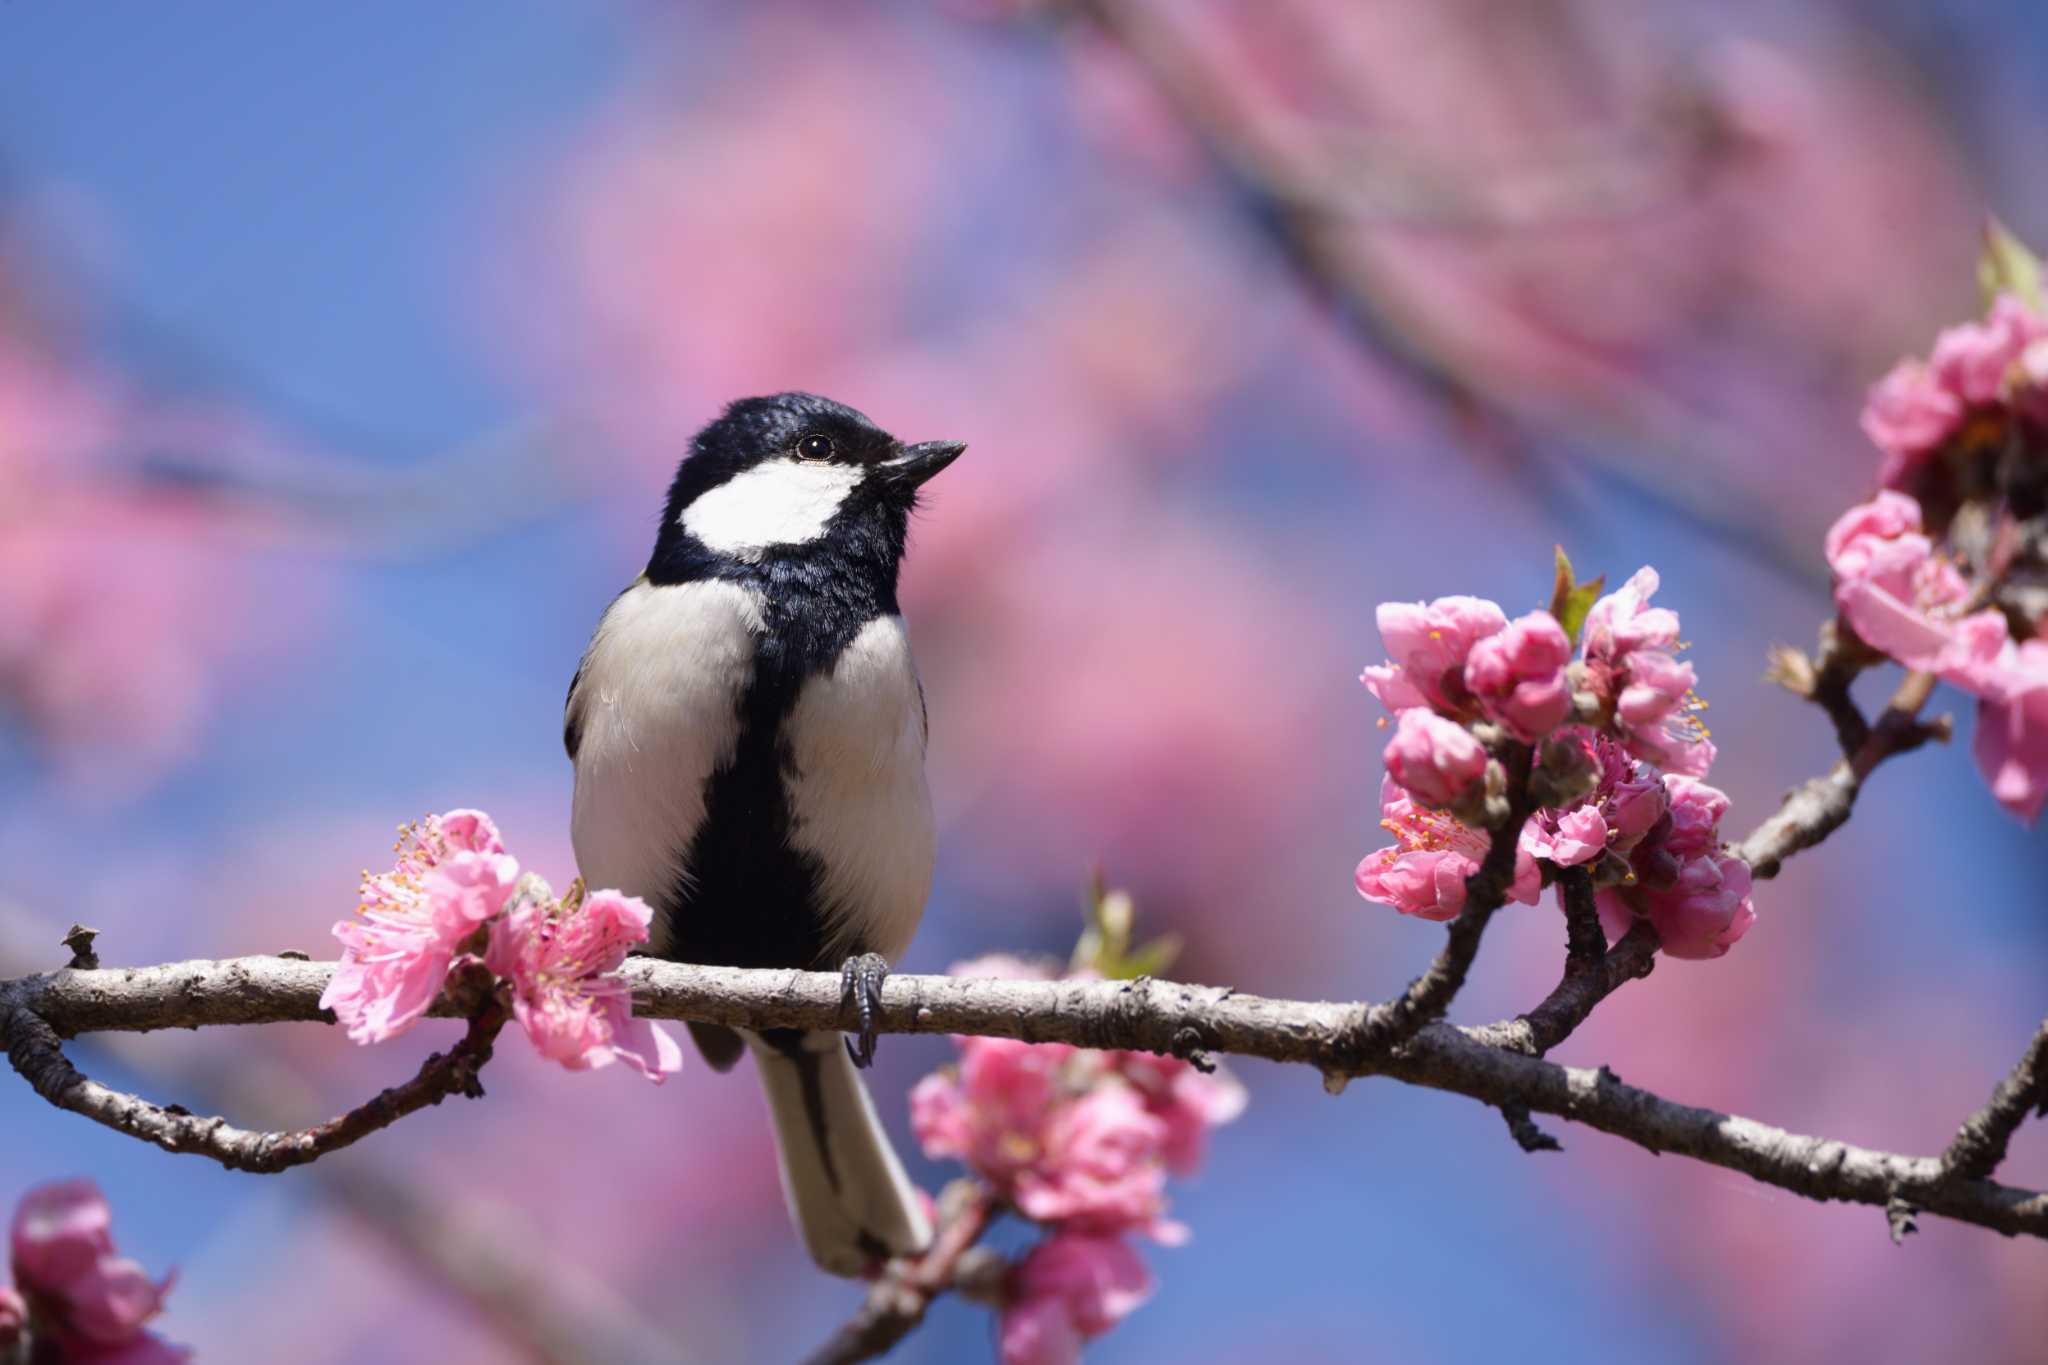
(1072, 1286)
(1701, 914)
(13, 1317)
(1518, 676)
(1696, 811)
(452, 874)
(83, 1297)
(1625, 805)
(1429, 646)
(1657, 708)
(1897, 595)
(1623, 621)
(1040, 1332)
(1437, 761)
(2011, 746)
(1971, 360)
(994, 1109)
(1068, 1135)
(942, 1120)
(1916, 407)
(1187, 1100)
(988, 1112)
(1629, 666)
(1103, 1165)
(559, 962)
(1680, 877)
(1907, 414)
(1576, 836)
(1423, 872)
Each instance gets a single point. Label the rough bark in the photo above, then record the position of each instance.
(1155, 1016)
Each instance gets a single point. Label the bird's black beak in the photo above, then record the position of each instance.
(919, 462)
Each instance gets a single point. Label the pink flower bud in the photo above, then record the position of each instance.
(1102, 1167)
(2011, 746)
(1518, 676)
(1626, 804)
(470, 831)
(1189, 1102)
(1633, 807)
(1423, 872)
(1657, 685)
(1575, 837)
(1629, 667)
(1971, 360)
(1901, 599)
(1886, 516)
(1624, 621)
(1428, 646)
(90, 1302)
(1071, 1287)
(61, 1231)
(1701, 913)
(1707, 911)
(1436, 760)
(1696, 811)
(1907, 414)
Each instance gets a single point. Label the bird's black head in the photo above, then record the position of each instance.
(792, 477)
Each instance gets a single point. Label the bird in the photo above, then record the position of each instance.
(748, 731)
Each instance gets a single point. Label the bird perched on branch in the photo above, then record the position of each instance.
(748, 731)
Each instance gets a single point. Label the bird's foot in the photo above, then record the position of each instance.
(861, 977)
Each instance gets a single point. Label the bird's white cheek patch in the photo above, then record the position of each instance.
(778, 502)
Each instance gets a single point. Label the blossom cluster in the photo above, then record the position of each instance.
(1081, 1142)
(74, 1298)
(1980, 379)
(1619, 757)
(454, 895)
(1942, 570)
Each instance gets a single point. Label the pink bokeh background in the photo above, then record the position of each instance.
(310, 490)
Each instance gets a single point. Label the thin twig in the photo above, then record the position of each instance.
(1533, 1034)
(1585, 945)
(1818, 807)
(1981, 1142)
(36, 1051)
(1152, 1016)
(1591, 974)
(904, 1291)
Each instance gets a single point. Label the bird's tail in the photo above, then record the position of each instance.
(847, 1192)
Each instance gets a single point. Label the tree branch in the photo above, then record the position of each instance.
(1818, 807)
(1591, 974)
(1980, 1143)
(1634, 955)
(1153, 1016)
(1585, 944)
(34, 1047)
(904, 1291)
(534, 1306)
(1377, 1029)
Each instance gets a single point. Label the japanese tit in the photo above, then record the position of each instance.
(748, 731)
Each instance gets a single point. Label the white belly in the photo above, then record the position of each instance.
(658, 701)
(858, 800)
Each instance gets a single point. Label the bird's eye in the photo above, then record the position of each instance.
(814, 447)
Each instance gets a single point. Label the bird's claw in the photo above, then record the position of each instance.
(861, 977)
